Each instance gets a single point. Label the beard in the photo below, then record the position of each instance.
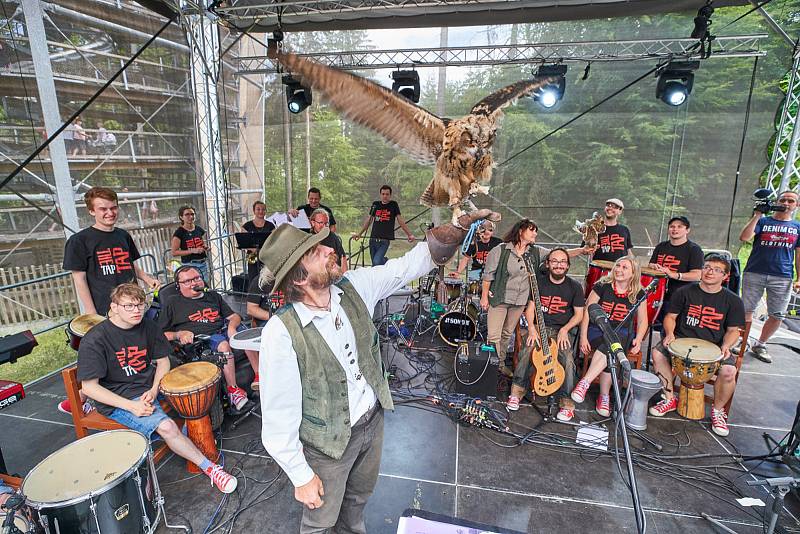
(331, 275)
(558, 276)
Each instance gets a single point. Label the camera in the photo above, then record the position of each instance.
(763, 200)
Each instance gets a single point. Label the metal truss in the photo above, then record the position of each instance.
(642, 49)
(784, 161)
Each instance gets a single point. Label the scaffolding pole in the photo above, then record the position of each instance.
(784, 161)
(202, 32)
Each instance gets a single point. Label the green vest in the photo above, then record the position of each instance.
(326, 411)
(498, 285)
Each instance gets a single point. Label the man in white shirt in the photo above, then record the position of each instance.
(323, 384)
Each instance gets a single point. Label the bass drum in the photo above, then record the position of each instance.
(98, 484)
(459, 324)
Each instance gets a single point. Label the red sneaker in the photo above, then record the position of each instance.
(664, 406)
(565, 414)
(237, 396)
(255, 385)
(224, 481)
(579, 393)
(719, 422)
(513, 404)
(603, 406)
(65, 407)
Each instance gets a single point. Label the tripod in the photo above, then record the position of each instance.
(780, 487)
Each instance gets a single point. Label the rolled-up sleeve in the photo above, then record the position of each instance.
(492, 260)
(282, 402)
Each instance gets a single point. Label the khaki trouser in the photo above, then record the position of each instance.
(500, 324)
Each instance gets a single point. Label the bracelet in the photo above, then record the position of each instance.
(679, 276)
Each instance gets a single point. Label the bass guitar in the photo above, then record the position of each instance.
(549, 373)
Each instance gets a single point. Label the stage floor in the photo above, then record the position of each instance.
(430, 463)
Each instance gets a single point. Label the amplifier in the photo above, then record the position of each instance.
(476, 374)
(10, 392)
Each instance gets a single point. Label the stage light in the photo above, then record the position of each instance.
(298, 97)
(406, 83)
(551, 94)
(675, 82)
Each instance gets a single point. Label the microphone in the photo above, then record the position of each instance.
(651, 286)
(598, 317)
(199, 289)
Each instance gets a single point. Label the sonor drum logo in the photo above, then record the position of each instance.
(121, 512)
(110, 475)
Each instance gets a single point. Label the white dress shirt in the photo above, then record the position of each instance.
(279, 374)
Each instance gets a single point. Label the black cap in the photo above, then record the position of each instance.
(682, 219)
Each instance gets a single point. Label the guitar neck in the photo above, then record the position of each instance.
(537, 306)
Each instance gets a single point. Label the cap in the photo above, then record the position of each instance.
(682, 219)
(616, 201)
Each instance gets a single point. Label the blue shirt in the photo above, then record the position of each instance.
(773, 247)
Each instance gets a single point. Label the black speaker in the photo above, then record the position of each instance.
(476, 373)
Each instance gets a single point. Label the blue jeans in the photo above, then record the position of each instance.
(377, 250)
(144, 425)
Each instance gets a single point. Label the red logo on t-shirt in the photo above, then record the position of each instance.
(554, 305)
(383, 215)
(132, 360)
(669, 261)
(703, 317)
(113, 260)
(194, 242)
(616, 311)
(206, 315)
(612, 243)
(481, 256)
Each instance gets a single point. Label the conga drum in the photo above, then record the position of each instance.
(597, 270)
(655, 299)
(695, 361)
(191, 389)
(79, 326)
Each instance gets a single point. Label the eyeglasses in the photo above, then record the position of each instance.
(191, 280)
(787, 200)
(612, 205)
(132, 307)
(321, 223)
(558, 262)
(715, 270)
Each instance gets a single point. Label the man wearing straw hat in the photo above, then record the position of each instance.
(323, 387)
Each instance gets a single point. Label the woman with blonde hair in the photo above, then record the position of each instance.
(616, 293)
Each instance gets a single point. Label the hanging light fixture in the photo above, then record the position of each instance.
(675, 82)
(406, 83)
(298, 97)
(549, 95)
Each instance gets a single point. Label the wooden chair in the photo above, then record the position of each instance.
(744, 334)
(96, 421)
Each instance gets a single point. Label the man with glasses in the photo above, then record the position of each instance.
(771, 267)
(121, 362)
(616, 241)
(198, 310)
(562, 307)
(319, 219)
(478, 250)
(707, 311)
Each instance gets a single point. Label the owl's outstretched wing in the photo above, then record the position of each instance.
(411, 128)
(493, 104)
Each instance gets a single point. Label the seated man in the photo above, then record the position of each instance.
(258, 302)
(707, 311)
(478, 251)
(121, 362)
(196, 310)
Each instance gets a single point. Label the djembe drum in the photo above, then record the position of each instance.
(695, 361)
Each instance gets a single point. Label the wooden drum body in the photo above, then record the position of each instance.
(79, 326)
(694, 361)
(191, 389)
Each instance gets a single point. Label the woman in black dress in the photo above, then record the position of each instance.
(259, 225)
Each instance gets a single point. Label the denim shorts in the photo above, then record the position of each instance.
(778, 288)
(219, 337)
(144, 425)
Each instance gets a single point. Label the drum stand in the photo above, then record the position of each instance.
(253, 410)
(780, 487)
(159, 499)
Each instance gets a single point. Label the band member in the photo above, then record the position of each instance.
(319, 220)
(678, 258)
(710, 312)
(616, 241)
(259, 225)
(616, 293)
(121, 362)
(197, 310)
(314, 198)
(382, 215)
(478, 251)
(562, 307)
(325, 390)
(187, 241)
(100, 258)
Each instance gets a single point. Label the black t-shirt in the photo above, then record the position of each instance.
(478, 251)
(384, 216)
(613, 244)
(681, 258)
(256, 295)
(335, 242)
(251, 227)
(704, 315)
(106, 258)
(189, 240)
(309, 210)
(203, 315)
(121, 359)
(559, 300)
(616, 308)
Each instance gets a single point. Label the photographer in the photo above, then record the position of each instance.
(771, 264)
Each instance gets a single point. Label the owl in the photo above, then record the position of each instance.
(590, 229)
(459, 149)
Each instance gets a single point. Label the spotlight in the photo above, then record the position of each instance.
(675, 82)
(406, 83)
(549, 95)
(298, 97)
